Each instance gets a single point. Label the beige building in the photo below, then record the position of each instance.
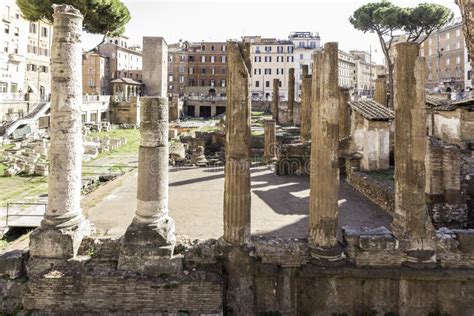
(346, 70)
(125, 60)
(366, 73)
(447, 59)
(95, 74)
(271, 59)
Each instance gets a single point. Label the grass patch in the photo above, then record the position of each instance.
(257, 114)
(257, 133)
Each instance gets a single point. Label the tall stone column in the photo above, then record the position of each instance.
(64, 225)
(411, 222)
(276, 99)
(344, 115)
(270, 142)
(291, 94)
(149, 241)
(237, 147)
(305, 129)
(324, 185)
(380, 95)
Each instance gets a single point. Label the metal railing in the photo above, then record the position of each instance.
(10, 215)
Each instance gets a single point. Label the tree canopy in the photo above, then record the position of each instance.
(389, 21)
(107, 17)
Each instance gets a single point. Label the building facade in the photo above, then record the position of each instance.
(366, 73)
(305, 44)
(125, 60)
(447, 59)
(347, 70)
(271, 59)
(95, 74)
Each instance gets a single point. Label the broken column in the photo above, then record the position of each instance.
(149, 241)
(323, 208)
(380, 95)
(275, 99)
(64, 226)
(291, 94)
(411, 222)
(344, 113)
(270, 143)
(237, 147)
(305, 129)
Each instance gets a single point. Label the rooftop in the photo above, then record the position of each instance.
(372, 110)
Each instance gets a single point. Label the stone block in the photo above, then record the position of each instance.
(12, 264)
(465, 239)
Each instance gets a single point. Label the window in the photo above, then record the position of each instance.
(3, 87)
(203, 47)
(203, 83)
(223, 71)
(257, 84)
(203, 59)
(44, 32)
(458, 44)
(279, 83)
(181, 79)
(212, 83)
(223, 48)
(17, 31)
(223, 59)
(301, 56)
(5, 47)
(213, 59)
(213, 71)
(32, 28)
(267, 84)
(191, 70)
(447, 62)
(223, 83)
(203, 70)
(7, 29)
(268, 71)
(312, 45)
(447, 35)
(181, 58)
(212, 47)
(458, 32)
(458, 60)
(181, 69)
(91, 83)
(13, 87)
(170, 78)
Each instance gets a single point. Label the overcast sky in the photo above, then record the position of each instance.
(219, 20)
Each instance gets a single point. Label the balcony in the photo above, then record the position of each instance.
(16, 58)
(12, 97)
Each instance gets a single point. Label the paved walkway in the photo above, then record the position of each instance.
(279, 204)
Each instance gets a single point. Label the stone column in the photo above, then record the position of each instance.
(344, 117)
(291, 94)
(149, 241)
(64, 225)
(276, 99)
(380, 95)
(324, 185)
(270, 150)
(411, 222)
(237, 147)
(305, 129)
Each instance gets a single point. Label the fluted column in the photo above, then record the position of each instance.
(291, 94)
(323, 210)
(64, 225)
(276, 100)
(411, 222)
(305, 129)
(270, 142)
(237, 148)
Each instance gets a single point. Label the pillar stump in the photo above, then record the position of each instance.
(270, 142)
(148, 243)
(380, 95)
(291, 95)
(64, 226)
(237, 146)
(305, 129)
(276, 100)
(324, 184)
(411, 222)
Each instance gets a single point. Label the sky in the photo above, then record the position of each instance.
(219, 20)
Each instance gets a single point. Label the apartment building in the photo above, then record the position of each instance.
(95, 74)
(271, 59)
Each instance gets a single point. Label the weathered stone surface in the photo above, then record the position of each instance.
(271, 145)
(323, 207)
(276, 100)
(291, 95)
(12, 264)
(155, 66)
(306, 105)
(64, 225)
(237, 148)
(411, 225)
(380, 94)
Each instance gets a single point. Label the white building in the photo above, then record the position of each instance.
(347, 70)
(125, 59)
(305, 44)
(366, 73)
(271, 59)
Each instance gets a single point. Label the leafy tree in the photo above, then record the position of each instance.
(106, 17)
(389, 22)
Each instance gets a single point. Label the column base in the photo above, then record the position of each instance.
(420, 259)
(148, 248)
(328, 257)
(58, 243)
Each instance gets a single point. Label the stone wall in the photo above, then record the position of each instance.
(375, 190)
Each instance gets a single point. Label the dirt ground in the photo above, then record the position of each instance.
(279, 204)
